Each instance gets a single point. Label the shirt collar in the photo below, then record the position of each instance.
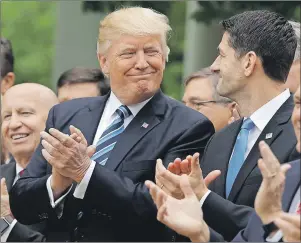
(264, 114)
(114, 103)
(18, 169)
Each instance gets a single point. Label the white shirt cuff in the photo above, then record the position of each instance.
(58, 201)
(7, 231)
(204, 198)
(276, 237)
(81, 188)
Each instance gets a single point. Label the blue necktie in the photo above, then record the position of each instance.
(237, 158)
(110, 136)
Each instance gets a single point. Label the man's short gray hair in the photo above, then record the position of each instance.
(296, 27)
(206, 73)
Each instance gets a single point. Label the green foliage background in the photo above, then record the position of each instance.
(30, 25)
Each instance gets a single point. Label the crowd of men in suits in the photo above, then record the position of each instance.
(123, 162)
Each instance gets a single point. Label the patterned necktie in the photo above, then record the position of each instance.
(110, 136)
(237, 158)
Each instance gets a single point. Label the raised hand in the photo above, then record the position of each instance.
(268, 203)
(182, 215)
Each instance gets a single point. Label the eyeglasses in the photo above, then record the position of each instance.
(197, 105)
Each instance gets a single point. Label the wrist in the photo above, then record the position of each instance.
(201, 192)
(203, 234)
(82, 171)
(269, 218)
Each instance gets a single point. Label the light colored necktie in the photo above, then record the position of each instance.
(237, 158)
(110, 136)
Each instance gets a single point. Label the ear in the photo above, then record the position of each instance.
(104, 63)
(7, 82)
(249, 63)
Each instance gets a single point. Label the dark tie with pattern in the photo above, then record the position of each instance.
(110, 136)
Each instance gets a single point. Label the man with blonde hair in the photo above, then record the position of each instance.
(129, 128)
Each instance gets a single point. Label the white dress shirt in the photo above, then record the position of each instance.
(261, 118)
(112, 104)
(5, 235)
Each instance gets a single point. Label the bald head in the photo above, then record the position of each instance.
(25, 108)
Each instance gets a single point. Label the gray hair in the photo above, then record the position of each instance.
(206, 73)
(296, 27)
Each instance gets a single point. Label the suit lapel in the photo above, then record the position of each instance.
(274, 127)
(135, 131)
(87, 119)
(224, 154)
(10, 175)
(292, 183)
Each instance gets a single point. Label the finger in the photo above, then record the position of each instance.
(186, 188)
(63, 138)
(76, 137)
(185, 167)
(53, 141)
(195, 165)
(211, 177)
(80, 134)
(177, 165)
(165, 177)
(91, 150)
(171, 168)
(50, 149)
(149, 183)
(48, 157)
(291, 218)
(162, 211)
(263, 169)
(284, 168)
(270, 160)
(161, 197)
(153, 190)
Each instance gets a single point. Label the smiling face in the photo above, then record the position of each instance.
(135, 66)
(230, 69)
(24, 113)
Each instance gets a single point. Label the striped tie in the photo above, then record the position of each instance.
(110, 136)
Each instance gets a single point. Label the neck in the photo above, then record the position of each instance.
(257, 95)
(22, 161)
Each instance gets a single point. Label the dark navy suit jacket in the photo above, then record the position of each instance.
(254, 231)
(117, 205)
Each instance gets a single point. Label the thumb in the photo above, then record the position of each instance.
(211, 177)
(185, 186)
(195, 165)
(91, 150)
(3, 187)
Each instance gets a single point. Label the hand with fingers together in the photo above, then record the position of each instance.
(289, 224)
(170, 182)
(5, 207)
(185, 215)
(69, 155)
(268, 202)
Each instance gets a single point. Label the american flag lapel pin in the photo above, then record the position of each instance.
(268, 135)
(145, 125)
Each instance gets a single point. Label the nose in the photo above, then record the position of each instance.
(15, 122)
(215, 65)
(141, 62)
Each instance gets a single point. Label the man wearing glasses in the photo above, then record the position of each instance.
(200, 94)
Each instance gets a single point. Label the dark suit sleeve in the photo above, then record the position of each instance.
(224, 216)
(127, 197)
(21, 233)
(29, 200)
